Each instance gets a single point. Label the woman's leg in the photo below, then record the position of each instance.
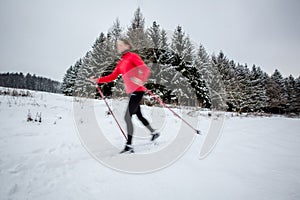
(154, 134)
(134, 108)
(129, 126)
(137, 110)
(143, 120)
(134, 102)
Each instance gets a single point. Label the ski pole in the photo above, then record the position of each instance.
(102, 96)
(164, 105)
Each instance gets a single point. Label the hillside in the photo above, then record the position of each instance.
(255, 158)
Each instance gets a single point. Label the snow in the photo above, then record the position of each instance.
(255, 158)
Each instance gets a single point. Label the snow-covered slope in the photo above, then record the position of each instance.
(256, 158)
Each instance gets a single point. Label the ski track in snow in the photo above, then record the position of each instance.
(256, 158)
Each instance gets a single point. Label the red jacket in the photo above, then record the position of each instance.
(130, 66)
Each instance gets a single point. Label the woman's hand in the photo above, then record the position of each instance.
(93, 79)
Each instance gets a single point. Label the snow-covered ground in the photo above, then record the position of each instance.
(255, 158)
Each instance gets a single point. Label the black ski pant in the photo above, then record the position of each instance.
(134, 108)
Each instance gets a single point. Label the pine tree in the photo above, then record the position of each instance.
(196, 80)
(274, 92)
(203, 61)
(83, 86)
(69, 80)
(243, 88)
(116, 88)
(178, 44)
(189, 52)
(159, 59)
(290, 94)
(164, 45)
(180, 79)
(258, 96)
(18, 80)
(205, 70)
(158, 52)
(296, 99)
(100, 61)
(216, 85)
(197, 93)
(116, 31)
(154, 34)
(136, 32)
(29, 82)
(22, 81)
(178, 73)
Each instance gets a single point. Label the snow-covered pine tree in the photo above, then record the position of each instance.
(290, 94)
(22, 81)
(159, 63)
(98, 62)
(180, 79)
(198, 88)
(203, 63)
(154, 34)
(164, 45)
(231, 80)
(243, 88)
(136, 32)
(217, 86)
(83, 87)
(297, 97)
(189, 52)
(100, 55)
(178, 41)
(197, 92)
(274, 92)
(68, 85)
(65, 84)
(18, 80)
(206, 72)
(116, 31)
(73, 75)
(30, 84)
(258, 96)
(159, 53)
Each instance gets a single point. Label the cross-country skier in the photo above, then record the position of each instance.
(134, 88)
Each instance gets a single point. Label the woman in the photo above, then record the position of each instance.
(128, 67)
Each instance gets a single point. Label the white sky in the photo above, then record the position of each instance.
(45, 37)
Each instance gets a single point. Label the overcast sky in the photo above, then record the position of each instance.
(45, 37)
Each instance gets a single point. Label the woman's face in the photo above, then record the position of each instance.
(121, 46)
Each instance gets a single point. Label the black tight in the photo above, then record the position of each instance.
(134, 108)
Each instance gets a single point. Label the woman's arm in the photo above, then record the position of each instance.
(109, 78)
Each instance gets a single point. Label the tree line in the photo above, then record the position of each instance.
(30, 82)
(182, 73)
